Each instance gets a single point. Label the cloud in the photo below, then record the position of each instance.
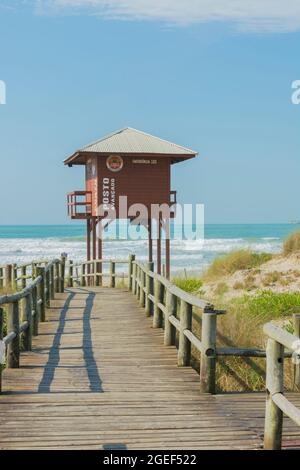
(249, 15)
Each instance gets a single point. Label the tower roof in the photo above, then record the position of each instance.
(133, 142)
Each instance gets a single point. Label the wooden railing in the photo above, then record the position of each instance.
(27, 307)
(90, 273)
(79, 204)
(277, 403)
(170, 307)
(173, 309)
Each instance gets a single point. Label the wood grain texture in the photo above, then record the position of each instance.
(99, 375)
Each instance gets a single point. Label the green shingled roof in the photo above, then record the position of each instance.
(130, 140)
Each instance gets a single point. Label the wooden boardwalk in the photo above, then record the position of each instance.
(99, 377)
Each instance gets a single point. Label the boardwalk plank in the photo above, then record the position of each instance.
(99, 375)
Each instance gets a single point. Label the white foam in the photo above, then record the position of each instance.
(185, 253)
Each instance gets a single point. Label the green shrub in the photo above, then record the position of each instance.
(242, 326)
(266, 305)
(292, 243)
(235, 261)
(191, 284)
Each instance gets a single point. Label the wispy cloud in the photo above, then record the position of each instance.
(250, 15)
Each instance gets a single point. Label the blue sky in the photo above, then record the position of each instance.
(216, 81)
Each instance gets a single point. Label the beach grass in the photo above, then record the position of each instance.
(242, 326)
(292, 243)
(191, 284)
(235, 261)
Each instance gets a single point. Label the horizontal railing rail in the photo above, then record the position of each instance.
(15, 276)
(172, 309)
(169, 307)
(90, 273)
(276, 403)
(24, 309)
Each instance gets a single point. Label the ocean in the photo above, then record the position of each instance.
(20, 244)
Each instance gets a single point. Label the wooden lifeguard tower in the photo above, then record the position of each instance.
(126, 163)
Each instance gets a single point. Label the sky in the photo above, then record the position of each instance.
(212, 76)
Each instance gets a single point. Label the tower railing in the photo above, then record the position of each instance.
(77, 200)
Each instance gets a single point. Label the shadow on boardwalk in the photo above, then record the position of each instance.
(95, 383)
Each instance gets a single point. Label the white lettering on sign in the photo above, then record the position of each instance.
(145, 162)
(108, 192)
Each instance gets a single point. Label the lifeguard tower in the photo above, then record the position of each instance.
(127, 163)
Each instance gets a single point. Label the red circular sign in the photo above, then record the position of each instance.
(114, 163)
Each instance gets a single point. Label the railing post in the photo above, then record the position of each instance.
(95, 273)
(159, 298)
(296, 324)
(171, 307)
(41, 294)
(37, 310)
(1, 278)
(137, 290)
(142, 291)
(208, 353)
(82, 277)
(52, 285)
(62, 273)
(8, 276)
(71, 273)
(133, 287)
(274, 384)
(1, 338)
(131, 259)
(33, 270)
(98, 277)
(14, 276)
(13, 324)
(26, 335)
(184, 347)
(47, 287)
(112, 272)
(149, 289)
(56, 276)
(23, 274)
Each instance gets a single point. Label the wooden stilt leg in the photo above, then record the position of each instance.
(167, 233)
(99, 265)
(158, 250)
(94, 252)
(150, 244)
(88, 245)
(94, 248)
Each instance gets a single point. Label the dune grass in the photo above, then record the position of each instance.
(292, 243)
(235, 261)
(242, 326)
(191, 284)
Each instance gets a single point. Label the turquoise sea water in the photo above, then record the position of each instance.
(24, 243)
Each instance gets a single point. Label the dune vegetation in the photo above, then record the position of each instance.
(191, 284)
(235, 261)
(258, 298)
(292, 243)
